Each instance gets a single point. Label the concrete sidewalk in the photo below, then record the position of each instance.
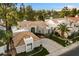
(64, 50)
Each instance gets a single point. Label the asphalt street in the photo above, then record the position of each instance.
(74, 52)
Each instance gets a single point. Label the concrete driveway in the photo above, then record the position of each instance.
(51, 46)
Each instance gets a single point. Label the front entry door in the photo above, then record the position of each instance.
(33, 29)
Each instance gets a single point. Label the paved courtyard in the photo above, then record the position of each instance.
(51, 45)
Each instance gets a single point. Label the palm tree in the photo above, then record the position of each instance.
(21, 12)
(40, 15)
(30, 13)
(9, 16)
(63, 29)
(65, 12)
(2, 36)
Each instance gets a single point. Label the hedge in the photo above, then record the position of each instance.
(75, 39)
(59, 40)
(42, 53)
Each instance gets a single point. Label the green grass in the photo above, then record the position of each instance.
(42, 53)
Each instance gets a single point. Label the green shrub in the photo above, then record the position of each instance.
(75, 39)
(41, 53)
(74, 34)
(59, 40)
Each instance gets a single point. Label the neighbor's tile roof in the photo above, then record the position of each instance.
(18, 39)
(74, 19)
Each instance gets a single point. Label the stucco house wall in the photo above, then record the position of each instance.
(40, 30)
(20, 49)
(28, 44)
(32, 27)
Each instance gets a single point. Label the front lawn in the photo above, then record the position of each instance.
(41, 53)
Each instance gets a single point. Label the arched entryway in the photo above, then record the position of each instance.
(33, 29)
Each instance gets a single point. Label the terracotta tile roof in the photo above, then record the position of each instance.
(29, 24)
(18, 38)
(74, 19)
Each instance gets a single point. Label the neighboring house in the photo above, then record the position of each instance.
(73, 19)
(35, 26)
(55, 22)
(72, 23)
(26, 41)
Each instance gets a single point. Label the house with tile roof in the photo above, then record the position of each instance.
(72, 23)
(35, 26)
(23, 35)
(25, 41)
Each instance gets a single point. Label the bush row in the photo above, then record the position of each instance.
(59, 40)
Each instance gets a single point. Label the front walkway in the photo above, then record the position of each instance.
(51, 45)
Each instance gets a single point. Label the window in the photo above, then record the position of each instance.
(29, 44)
